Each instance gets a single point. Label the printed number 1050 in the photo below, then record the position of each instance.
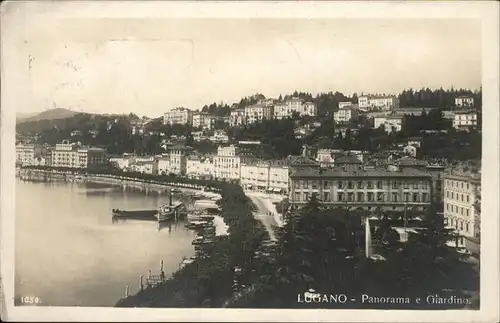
(30, 300)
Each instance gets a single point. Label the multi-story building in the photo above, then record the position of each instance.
(178, 159)
(237, 117)
(203, 120)
(25, 154)
(92, 158)
(462, 193)
(283, 110)
(199, 167)
(389, 123)
(464, 101)
(345, 115)
(227, 163)
(392, 190)
(254, 175)
(376, 102)
(326, 157)
(219, 136)
(257, 113)
(465, 120)
(65, 155)
(145, 167)
(278, 177)
(178, 116)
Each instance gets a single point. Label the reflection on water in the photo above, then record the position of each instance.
(70, 252)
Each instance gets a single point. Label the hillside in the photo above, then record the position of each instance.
(51, 114)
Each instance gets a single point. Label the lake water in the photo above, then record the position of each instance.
(70, 253)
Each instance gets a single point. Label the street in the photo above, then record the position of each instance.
(264, 206)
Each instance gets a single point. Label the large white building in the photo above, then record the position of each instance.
(462, 193)
(465, 120)
(199, 167)
(375, 102)
(389, 123)
(71, 155)
(264, 176)
(227, 163)
(25, 154)
(237, 117)
(283, 110)
(464, 101)
(178, 116)
(178, 159)
(257, 113)
(347, 104)
(203, 120)
(345, 115)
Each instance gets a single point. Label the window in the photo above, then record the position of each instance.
(446, 221)
(395, 184)
(467, 196)
(306, 196)
(462, 184)
(379, 184)
(297, 196)
(452, 195)
(461, 225)
(447, 194)
(415, 184)
(406, 185)
(394, 197)
(370, 197)
(349, 185)
(462, 197)
(296, 184)
(370, 185)
(467, 212)
(461, 211)
(380, 197)
(326, 196)
(416, 197)
(467, 226)
(341, 185)
(306, 184)
(360, 184)
(467, 185)
(314, 185)
(340, 197)
(447, 207)
(361, 197)
(325, 184)
(407, 197)
(425, 197)
(350, 197)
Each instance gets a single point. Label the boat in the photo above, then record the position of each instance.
(135, 214)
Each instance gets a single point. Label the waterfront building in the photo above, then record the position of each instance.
(257, 113)
(354, 186)
(345, 115)
(465, 120)
(178, 116)
(25, 154)
(145, 167)
(237, 117)
(377, 102)
(203, 120)
(254, 175)
(121, 162)
(199, 167)
(164, 165)
(65, 155)
(462, 198)
(464, 101)
(178, 159)
(227, 163)
(286, 109)
(92, 157)
(389, 123)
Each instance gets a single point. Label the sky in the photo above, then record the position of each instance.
(149, 66)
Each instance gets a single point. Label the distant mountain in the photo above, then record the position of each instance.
(58, 113)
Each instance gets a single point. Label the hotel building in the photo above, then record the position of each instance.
(389, 123)
(373, 102)
(178, 159)
(199, 167)
(465, 120)
(462, 197)
(356, 187)
(283, 110)
(227, 163)
(203, 120)
(345, 115)
(237, 117)
(178, 116)
(25, 154)
(71, 155)
(464, 101)
(257, 113)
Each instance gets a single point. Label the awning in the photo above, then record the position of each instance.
(277, 190)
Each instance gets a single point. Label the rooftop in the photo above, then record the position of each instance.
(359, 172)
(347, 159)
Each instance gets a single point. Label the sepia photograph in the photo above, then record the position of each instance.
(189, 157)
